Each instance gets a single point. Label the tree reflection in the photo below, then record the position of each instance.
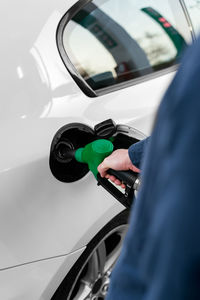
(154, 49)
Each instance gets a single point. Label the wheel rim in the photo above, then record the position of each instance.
(93, 280)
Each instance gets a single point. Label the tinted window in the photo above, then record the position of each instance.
(113, 41)
(193, 7)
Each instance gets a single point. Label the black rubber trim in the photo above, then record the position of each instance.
(136, 81)
(65, 58)
(74, 73)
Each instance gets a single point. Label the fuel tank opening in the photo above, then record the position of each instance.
(66, 140)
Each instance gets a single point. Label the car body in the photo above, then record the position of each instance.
(46, 224)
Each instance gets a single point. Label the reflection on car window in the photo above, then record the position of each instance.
(109, 42)
(193, 7)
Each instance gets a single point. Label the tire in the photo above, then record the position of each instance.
(89, 278)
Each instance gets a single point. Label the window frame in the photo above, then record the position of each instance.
(189, 20)
(83, 85)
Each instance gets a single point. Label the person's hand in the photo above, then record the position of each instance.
(119, 160)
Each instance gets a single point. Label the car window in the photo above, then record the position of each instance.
(109, 42)
(193, 7)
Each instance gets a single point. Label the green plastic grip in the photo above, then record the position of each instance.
(94, 153)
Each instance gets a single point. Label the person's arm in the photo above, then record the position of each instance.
(136, 152)
(161, 254)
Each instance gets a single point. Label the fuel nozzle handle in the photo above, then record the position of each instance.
(129, 178)
(131, 181)
(93, 154)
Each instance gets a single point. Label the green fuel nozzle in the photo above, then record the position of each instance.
(94, 153)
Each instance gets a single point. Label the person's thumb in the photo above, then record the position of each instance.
(102, 168)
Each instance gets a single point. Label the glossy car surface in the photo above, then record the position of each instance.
(46, 224)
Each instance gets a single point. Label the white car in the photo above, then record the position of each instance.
(66, 67)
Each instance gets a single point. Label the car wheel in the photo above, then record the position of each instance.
(89, 278)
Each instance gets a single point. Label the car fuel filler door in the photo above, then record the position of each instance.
(77, 148)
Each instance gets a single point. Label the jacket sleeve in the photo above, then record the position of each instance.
(136, 152)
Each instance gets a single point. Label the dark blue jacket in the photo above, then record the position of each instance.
(160, 259)
(136, 152)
